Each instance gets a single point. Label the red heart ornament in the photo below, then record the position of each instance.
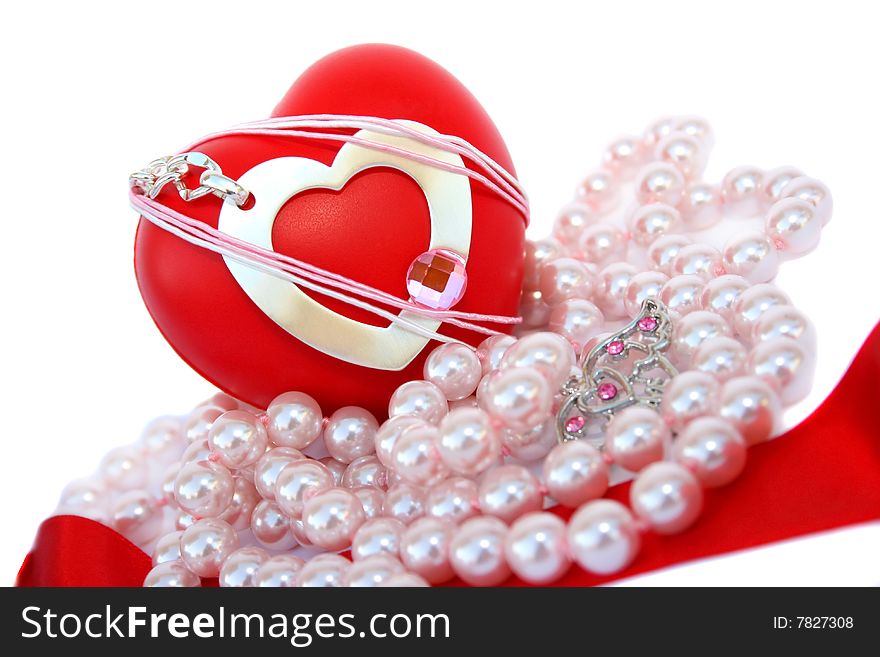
(369, 230)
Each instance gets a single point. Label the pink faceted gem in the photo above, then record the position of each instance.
(647, 324)
(607, 391)
(615, 347)
(437, 279)
(575, 424)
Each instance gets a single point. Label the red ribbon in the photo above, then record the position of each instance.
(823, 474)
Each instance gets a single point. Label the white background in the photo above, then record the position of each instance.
(92, 92)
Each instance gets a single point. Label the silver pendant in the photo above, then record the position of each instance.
(627, 368)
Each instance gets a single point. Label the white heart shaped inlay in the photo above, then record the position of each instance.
(274, 182)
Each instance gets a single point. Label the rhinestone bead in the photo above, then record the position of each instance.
(437, 279)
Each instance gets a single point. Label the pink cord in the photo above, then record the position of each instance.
(496, 178)
(336, 286)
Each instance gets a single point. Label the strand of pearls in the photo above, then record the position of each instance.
(454, 483)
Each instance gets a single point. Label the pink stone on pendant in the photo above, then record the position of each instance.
(575, 424)
(615, 347)
(437, 279)
(607, 391)
(647, 324)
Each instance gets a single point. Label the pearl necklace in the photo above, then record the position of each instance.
(454, 482)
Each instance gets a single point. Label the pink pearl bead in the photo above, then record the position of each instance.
(244, 500)
(775, 181)
(137, 516)
(203, 488)
(712, 449)
(455, 369)
(269, 465)
(324, 570)
(681, 294)
(697, 127)
(575, 472)
(476, 552)
(667, 497)
(538, 253)
(694, 329)
(573, 219)
(659, 182)
(171, 574)
(240, 568)
(167, 548)
(509, 491)
(279, 571)
(547, 352)
(651, 221)
(294, 420)
(684, 152)
(636, 437)
(602, 242)
(722, 357)
(786, 365)
(531, 445)
(603, 537)
(197, 451)
(564, 278)
(611, 285)
(297, 482)
(599, 192)
(492, 350)
(753, 303)
(533, 310)
(271, 527)
(699, 260)
(518, 397)
(753, 256)
(205, 545)
(199, 421)
(331, 518)
(123, 468)
(365, 471)
(468, 444)
(86, 497)
(404, 502)
(752, 407)
(624, 156)
(454, 500)
(389, 432)
(421, 399)
(701, 206)
(350, 434)
(372, 571)
(688, 396)
(536, 548)
(794, 226)
(662, 252)
(163, 439)
(237, 439)
(721, 294)
(377, 536)
(642, 286)
(577, 320)
(415, 456)
(785, 322)
(743, 189)
(424, 549)
(336, 468)
(659, 129)
(371, 499)
(812, 191)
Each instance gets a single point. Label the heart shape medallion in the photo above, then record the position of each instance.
(255, 336)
